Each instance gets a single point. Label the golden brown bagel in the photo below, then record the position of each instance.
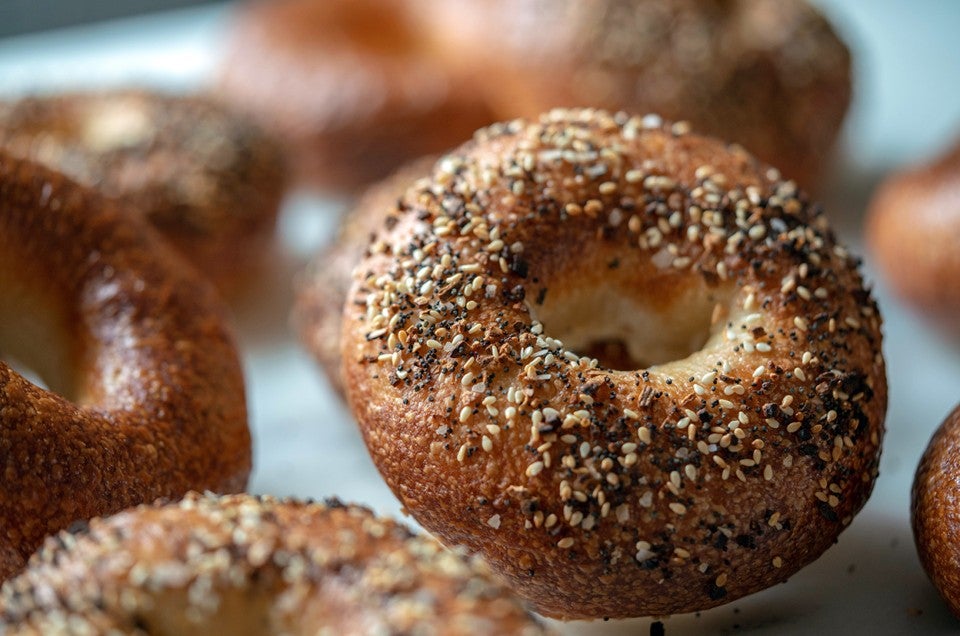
(147, 395)
(771, 75)
(322, 287)
(935, 510)
(245, 565)
(740, 440)
(209, 180)
(913, 226)
(351, 86)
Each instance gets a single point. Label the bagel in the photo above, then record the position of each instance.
(245, 565)
(935, 510)
(146, 393)
(771, 75)
(738, 438)
(352, 87)
(322, 287)
(912, 224)
(208, 180)
(358, 88)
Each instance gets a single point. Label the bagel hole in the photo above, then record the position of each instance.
(625, 333)
(34, 344)
(29, 374)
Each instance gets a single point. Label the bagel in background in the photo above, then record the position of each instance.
(913, 233)
(357, 88)
(352, 87)
(208, 179)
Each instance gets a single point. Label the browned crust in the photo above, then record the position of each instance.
(912, 228)
(145, 354)
(771, 75)
(208, 179)
(322, 287)
(241, 564)
(349, 85)
(935, 510)
(617, 493)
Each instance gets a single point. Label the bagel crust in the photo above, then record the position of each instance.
(935, 510)
(731, 428)
(210, 181)
(322, 287)
(147, 394)
(244, 565)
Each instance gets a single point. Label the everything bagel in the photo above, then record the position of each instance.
(731, 436)
(255, 565)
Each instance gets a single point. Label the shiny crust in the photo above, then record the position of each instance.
(245, 565)
(351, 86)
(149, 397)
(598, 492)
(771, 75)
(912, 228)
(322, 287)
(209, 180)
(935, 510)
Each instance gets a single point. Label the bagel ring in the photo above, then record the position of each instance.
(147, 394)
(740, 440)
(210, 181)
(252, 565)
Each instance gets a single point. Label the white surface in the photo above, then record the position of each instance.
(907, 106)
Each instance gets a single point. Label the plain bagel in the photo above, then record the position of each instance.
(735, 437)
(146, 391)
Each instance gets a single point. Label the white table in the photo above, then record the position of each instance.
(907, 105)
